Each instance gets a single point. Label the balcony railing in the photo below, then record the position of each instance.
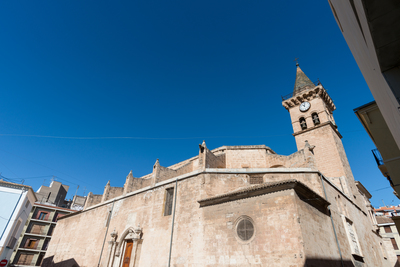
(284, 97)
(377, 156)
(38, 232)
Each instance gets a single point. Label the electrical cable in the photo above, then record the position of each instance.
(144, 138)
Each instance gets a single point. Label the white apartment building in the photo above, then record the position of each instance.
(16, 201)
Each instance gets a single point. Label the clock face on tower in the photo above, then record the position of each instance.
(304, 106)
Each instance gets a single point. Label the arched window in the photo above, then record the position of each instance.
(303, 123)
(315, 118)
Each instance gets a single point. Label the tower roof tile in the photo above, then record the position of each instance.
(302, 82)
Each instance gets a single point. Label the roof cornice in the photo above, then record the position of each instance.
(306, 95)
(303, 191)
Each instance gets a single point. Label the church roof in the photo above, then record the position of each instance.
(302, 82)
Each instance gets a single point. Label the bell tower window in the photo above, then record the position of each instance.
(315, 118)
(303, 123)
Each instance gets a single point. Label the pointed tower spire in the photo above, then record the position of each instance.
(302, 82)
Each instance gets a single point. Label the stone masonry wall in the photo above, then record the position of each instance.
(277, 241)
(206, 236)
(245, 158)
(92, 199)
(213, 161)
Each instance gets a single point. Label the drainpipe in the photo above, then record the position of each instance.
(173, 221)
(105, 236)
(12, 213)
(333, 224)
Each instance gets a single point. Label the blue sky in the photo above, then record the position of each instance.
(170, 74)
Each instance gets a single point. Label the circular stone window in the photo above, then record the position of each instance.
(245, 229)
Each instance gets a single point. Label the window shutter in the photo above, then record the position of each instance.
(16, 229)
(388, 229)
(394, 244)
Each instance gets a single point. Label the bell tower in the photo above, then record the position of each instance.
(311, 109)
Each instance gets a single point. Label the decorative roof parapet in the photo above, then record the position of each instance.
(303, 191)
(306, 95)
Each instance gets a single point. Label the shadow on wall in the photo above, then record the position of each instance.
(318, 262)
(48, 262)
(310, 262)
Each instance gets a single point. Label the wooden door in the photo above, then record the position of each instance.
(127, 255)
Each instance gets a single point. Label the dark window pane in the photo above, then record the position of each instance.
(394, 244)
(168, 201)
(245, 229)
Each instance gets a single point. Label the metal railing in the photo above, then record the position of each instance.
(377, 156)
(35, 232)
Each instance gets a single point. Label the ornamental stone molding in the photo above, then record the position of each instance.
(309, 94)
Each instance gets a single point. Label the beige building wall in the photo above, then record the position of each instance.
(290, 228)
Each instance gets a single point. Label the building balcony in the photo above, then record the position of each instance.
(43, 220)
(34, 250)
(379, 161)
(387, 154)
(39, 234)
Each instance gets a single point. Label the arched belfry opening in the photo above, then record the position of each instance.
(315, 118)
(303, 123)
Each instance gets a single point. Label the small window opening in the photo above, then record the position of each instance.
(168, 201)
(315, 118)
(394, 244)
(303, 123)
(245, 229)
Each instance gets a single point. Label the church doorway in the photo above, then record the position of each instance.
(128, 252)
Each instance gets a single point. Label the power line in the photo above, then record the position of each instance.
(145, 138)
(133, 137)
(50, 169)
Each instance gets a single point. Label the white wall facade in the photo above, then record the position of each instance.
(16, 204)
(363, 49)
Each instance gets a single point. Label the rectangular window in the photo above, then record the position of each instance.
(169, 199)
(387, 229)
(394, 244)
(37, 229)
(25, 259)
(31, 243)
(42, 215)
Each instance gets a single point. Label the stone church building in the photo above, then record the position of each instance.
(235, 206)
